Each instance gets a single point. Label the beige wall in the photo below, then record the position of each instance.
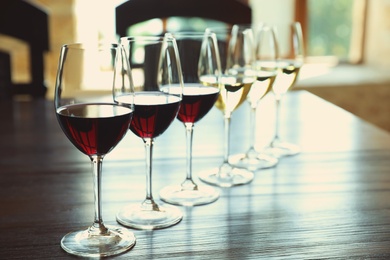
(272, 12)
(64, 15)
(377, 47)
(62, 29)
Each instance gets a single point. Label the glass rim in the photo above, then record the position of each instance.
(144, 38)
(199, 36)
(87, 45)
(190, 33)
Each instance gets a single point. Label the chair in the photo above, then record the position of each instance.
(26, 22)
(5, 74)
(135, 11)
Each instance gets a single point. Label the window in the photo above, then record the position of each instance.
(333, 28)
(330, 28)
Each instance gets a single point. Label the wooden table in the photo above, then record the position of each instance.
(330, 201)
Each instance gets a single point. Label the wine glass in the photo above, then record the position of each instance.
(201, 68)
(237, 54)
(290, 60)
(94, 123)
(266, 69)
(158, 87)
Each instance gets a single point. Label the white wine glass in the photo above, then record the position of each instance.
(266, 70)
(236, 54)
(201, 69)
(290, 60)
(158, 85)
(94, 123)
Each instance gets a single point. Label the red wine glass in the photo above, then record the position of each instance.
(94, 123)
(201, 69)
(158, 84)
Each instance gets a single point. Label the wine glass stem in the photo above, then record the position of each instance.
(277, 115)
(252, 128)
(98, 226)
(148, 155)
(189, 183)
(224, 171)
(227, 140)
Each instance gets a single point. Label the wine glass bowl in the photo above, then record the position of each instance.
(236, 53)
(158, 83)
(201, 69)
(94, 123)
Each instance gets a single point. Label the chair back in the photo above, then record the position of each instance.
(136, 11)
(26, 22)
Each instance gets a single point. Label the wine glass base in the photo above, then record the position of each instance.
(259, 161)
(82, 243)
(178, 195)
(218, 177)
(281, 149)
(139, 217)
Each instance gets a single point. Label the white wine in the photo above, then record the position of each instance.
(287, 76)
(234, 90)
(266, 72)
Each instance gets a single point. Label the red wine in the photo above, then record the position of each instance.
(153, 112)
(95, 129)
(197, 102)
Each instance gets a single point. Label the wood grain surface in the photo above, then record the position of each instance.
(330, 201)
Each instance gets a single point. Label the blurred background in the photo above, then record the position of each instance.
(347, 44)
